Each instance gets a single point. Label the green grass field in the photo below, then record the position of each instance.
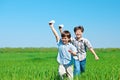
(41, 64)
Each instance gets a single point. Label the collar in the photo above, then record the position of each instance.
(81, 39)
(66, 44)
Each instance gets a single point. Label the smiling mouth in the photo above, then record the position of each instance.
(78, 34)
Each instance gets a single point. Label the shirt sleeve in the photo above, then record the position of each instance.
(59, 42)
(73, 48)
(87, 43)
(72, 40)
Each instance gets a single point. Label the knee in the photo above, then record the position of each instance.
(61, 73)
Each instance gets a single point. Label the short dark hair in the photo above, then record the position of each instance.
(66, 33)
(79, 28)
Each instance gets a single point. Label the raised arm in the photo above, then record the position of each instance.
(54, 31)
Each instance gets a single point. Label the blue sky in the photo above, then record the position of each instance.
(24, 23)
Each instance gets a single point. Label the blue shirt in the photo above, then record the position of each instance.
(64, 57)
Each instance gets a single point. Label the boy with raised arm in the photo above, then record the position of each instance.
(65, 52)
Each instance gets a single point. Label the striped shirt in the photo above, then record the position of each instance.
(81, 46)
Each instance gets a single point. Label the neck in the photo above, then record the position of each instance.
(78, 38)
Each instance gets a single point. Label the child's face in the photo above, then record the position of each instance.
(65, 40)
(78, 33)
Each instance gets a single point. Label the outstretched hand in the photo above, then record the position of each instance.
(96, 58)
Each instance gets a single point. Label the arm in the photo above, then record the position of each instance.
(60, 28)
(93, 52)
(73, 53)
(88, 44)
(73, 50)
(54, 31)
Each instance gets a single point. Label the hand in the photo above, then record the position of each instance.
(96, 58)
(51, 25)
(70, 51)
(51, 22)
(61, 26)
(73, 53)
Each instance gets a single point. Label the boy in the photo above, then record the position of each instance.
(65, 52)
(81, 44)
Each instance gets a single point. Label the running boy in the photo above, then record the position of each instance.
(65, 52)
(81, 44)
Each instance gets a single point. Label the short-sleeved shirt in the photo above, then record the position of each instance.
(81, 46)
(64, 57)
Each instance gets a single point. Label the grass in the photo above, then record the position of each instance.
(41, 64)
